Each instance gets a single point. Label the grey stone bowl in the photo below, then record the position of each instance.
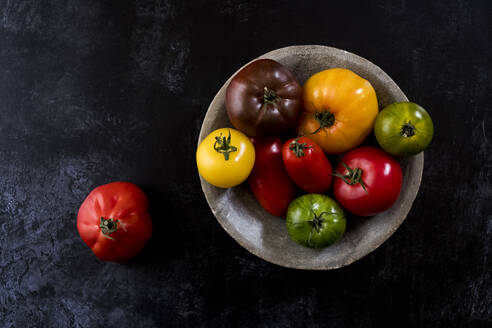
(266, 236)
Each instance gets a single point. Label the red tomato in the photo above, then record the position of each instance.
(307, 165)
(269, 181)
(114, 222)
(368, 181)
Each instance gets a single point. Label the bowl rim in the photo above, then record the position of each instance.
(252, 248)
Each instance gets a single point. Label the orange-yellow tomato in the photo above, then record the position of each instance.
(340, 107)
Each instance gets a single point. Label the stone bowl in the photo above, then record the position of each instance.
(266, 236)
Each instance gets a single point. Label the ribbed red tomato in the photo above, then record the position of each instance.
(114, 222)
(307, 165)
(367, 181)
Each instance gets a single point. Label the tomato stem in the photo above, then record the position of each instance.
(269, 96)
(317, 220)
(407, 130)
(298, 148)
(223, 145)
(352, 177)
(108, 226)
(325, 119)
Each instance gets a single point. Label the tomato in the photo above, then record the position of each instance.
(269, 180)
(114, 222)
(307, 165)
(340, 108)
(315, 220)
(404, 129)
(367, 181)
(263, 99)
(225, 158)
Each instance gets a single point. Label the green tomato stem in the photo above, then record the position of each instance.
(317, 220)
(223, 145)
(325, 119)
(298, 148)
(408, 130)
(108, 226)
(352, 177)
(269, 96)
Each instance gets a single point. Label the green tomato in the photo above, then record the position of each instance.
(315, 220)
(404, 129)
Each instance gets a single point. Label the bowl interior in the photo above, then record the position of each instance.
(266, 236)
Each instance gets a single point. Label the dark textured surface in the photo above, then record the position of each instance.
(96, 91)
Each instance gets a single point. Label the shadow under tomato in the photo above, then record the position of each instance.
(165, 229)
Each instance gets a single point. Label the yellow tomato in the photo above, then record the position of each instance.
(340, 109)
(225, 158)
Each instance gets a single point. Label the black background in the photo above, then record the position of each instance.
(96, 91)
